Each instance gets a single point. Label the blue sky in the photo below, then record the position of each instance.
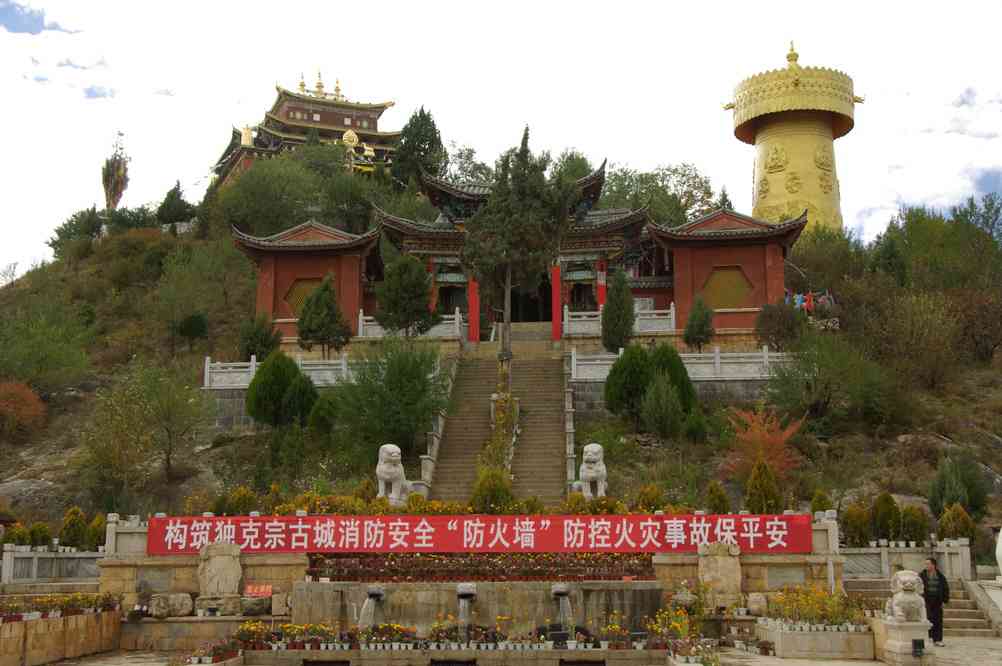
(638, 83)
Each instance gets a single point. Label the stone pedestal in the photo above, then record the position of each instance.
(720, 570)
(893, 642)
(225, 604)
(219, 570)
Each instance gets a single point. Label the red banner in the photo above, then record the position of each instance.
(481, 534)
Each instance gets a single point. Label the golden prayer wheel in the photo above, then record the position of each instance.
(792, 116)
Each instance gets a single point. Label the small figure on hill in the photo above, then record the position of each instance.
(936, 592)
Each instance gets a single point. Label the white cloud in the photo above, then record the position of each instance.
(638, 83)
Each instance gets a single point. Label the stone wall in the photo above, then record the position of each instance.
(478, 657)
(589, 396)
(231, 413)
(178, 633)
(47, 641)
(529, 603)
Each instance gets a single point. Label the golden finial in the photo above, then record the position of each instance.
(320, 85)
(792, 56)
(337, 89)
(302, 83)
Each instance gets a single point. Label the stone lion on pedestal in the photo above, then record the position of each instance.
(390, 476)
(906, 603)
(592, 473)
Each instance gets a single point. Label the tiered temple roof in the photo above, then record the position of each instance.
(306, 237)
(723, 227)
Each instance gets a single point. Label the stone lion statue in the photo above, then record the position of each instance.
(393, 484)
(906, 603)
(592, 472)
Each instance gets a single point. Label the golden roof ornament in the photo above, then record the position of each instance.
(792, 57)
(337, 90)
(320, 85)
(350, 139)
(302, 83)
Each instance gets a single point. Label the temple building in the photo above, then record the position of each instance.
(292, 117)
(735, 262)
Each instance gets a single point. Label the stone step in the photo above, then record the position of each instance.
(956, 623)
(970, 633)
(951, 613)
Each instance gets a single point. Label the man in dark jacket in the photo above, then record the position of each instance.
(936, 592)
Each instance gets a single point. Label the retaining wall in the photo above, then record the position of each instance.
(589, 395)
(50, 640)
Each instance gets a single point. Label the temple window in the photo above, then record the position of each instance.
(316, 117)
(298, 291)
(347, 121)
(365, 124)
(726, 287)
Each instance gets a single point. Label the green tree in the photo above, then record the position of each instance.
(821, 501)
(959, 480)
(97, 532)
(618, 314)
(723, 201)
(194, 327)
(979, 317)
(258, 337)
(699, 329)
(515, 235)
(43, 342)
(914, 524)
(321, 321)
(74, 531)
(955, 523)
(886, 517)
(762, 491)
(325, 160)
(570, 167)
(346, 201)
(404, 297)
(823, 259)
(267, 389)
(492, 491)
(717, 501)
(627, 383)
(420, 149)
(985, 214)
(115, 175)
(174, 209)
(178, 294)
(857, 524)
(40, 534)
(674, 193)
(299, 399)
(661, 411)
(82, 225)
(780, 326)
(666, 359)
(172, 408)
(464, 167)
(270, 196)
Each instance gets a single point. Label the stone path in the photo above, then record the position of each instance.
(122, 659)
(958, 652)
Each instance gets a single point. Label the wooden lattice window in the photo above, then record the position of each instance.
(726, 287)
(298, 291)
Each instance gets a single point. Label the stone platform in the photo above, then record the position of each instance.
(184, 634)
(478, 657)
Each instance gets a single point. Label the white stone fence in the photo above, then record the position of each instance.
(952, 555)
(24, 564)
(589, 323)
(434, 436)
(452, 327)
(715, 366)
(239, 375)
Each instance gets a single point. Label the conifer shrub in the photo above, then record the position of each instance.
(17, 534)
(575, 504)
(618, 315)
(665, 359)
(40, 535)
(914, 524)
(649, 499)
(717, 501)
(74, 531)
(605, 506)
(323, 415)
(780, 326)
(492, 493)
(857, 525)
(299, 399)
(661, 411)
(762, 491)
(321, 321)
(194, 327)
(21, 410)
(695, 427)
(258, 338)
(956, 523)
(959, 480)
(267, 390)
(886, 517)
(97, 532)
(699, 328)
(529, 506)
(821, 501)
(760, 435)
(366, 490)
(627, 382)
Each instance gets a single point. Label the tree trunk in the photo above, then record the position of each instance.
(506, 341)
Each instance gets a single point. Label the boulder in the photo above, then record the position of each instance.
(255, 605)
(227, 604)
(170, 605)
(279, 604)
(219, 570)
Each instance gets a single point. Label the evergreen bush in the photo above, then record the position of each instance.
(762, 494)
(74, 531)
(323, 416)
(821, 502)
(886, 517)
(914, 524)
(695, 428)
(258, 338)
(959, 480)
(17, 534)
(267, 389)
(321, 321)
(955, 523)
(492, 493)
(699, 329)
(665, 359)
(660, 410)
(717, 501)
(780, 326)
(40, 535)
(299, 400)
(194, 327)
(97, 532)
(627, 383)
(618, 314)
(241, 501)
(404, 297)
(857, 525)
(650, 498)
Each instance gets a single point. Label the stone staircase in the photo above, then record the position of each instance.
(539, 466)
(961, 616)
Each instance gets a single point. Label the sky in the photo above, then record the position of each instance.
(639, 83)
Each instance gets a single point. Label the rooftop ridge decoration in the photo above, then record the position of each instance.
(334, 99)
(758, 229)
(284, 240)
(793, 88)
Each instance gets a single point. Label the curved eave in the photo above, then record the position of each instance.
(329, 101)
(266, 244)
(471, 192)
(301, 139)
(592, 184)
(784, 232)
(641, 215)
(412, 228)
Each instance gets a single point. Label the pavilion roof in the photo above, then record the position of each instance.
(328, 100)
(308, 236)
(727, 225)
(440, 228)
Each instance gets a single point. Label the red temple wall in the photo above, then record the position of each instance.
(662, 296)
(278, 272)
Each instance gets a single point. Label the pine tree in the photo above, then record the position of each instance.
(665, 359)
(886, 517)
(404, 298)
(115, 175)
(821, 501)
(266, 392)
(174, 209)
(420, 149)
(618, 315)
(699, 329)
(627, 383)
(762, 492)
(723, 201)
(661, 410)
(717, 501)
(321, 321)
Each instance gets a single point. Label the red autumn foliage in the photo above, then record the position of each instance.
(21, 411)
(761, 436)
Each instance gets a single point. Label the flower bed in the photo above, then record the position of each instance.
(811, 623)
(407, 567)
(13, 609)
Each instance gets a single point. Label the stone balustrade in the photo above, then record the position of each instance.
(589, 323)
(23, 564)
(220, 376)
(713, 366)
(452, 327)
(952, 555)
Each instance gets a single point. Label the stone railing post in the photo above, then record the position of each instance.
(344, 365)
(253, 365)
(361, 323)
(574, 363)
(7, 573)
(206, 376)
(765, 358)
(110, 534)
(671, 315)
(567, 320)
(620, 352)
(716, 361)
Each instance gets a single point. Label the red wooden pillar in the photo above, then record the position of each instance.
(556, 304)
(600, 267)
(473, 310)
